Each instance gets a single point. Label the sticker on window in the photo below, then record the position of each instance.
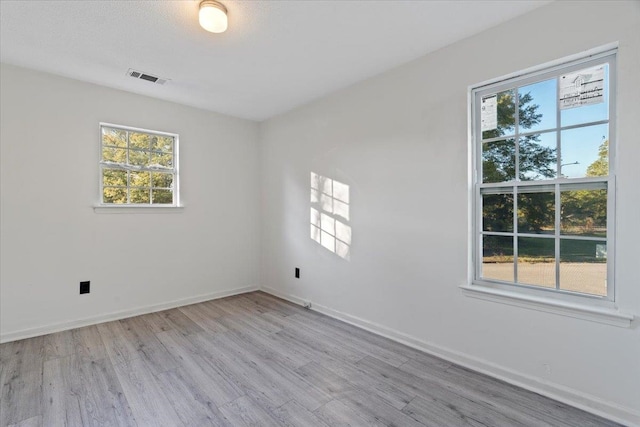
(584, 87)
(489, 113)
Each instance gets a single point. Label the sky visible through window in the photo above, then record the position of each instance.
(540, 224)
(578, 145)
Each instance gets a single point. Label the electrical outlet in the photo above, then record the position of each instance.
(85, 287)
(297, 273)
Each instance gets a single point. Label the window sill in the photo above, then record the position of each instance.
(110, 209)
(609, 316)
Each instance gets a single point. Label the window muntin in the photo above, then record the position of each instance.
(544, 185)
(137, 167)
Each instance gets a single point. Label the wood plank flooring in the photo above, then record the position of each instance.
(251, 360)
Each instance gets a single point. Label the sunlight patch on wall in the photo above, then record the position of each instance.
(330, 215)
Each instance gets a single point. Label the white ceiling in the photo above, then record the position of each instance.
(275, 56)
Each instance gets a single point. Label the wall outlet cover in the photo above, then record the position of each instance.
(85, 287)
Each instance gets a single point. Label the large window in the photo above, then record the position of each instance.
(544, 181)
(138, 167)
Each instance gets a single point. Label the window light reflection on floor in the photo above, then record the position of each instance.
(330, 215)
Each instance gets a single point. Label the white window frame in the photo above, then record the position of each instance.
(102, 207)
(593, 307)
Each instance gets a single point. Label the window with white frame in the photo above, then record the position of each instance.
(138, 167)
(544, 181)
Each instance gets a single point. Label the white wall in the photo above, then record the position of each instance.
(52, 239)
(399, 140)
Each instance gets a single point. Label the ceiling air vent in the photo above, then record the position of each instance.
(144, 76)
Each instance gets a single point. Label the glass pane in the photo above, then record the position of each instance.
(584, 213)
(538, 106)
(506, 109)
(162, 143)
(497, 212)
(591, 112)
(139, 158)
(536, 213)
(115, 155)
(537, 261)
(114, 177)
(583, 266)
(538, 157)
(498, 160)
(585, 151)
(139, 140)
(162, 196)
(139, 179)
(114, 137)
(497, 258)
(139, 195)
(114, 195)
(163, 180)
(315, 196)
(164, 160)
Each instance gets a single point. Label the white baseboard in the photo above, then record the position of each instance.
(578, 399)
(63, 326)
(586, 402)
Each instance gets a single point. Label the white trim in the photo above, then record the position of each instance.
(609, 316)
(572, 397)
(175, 170)
(137, 209)
(63, 326)
(583, 56)
(135, 129)
(291, 298)
(551, 70)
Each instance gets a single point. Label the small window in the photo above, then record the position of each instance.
(544, 188)
(138, 167)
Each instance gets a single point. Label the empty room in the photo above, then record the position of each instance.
(319, 213)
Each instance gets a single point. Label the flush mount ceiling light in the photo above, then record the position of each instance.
(213, 16)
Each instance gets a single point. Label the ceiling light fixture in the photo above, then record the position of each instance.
(213, 16)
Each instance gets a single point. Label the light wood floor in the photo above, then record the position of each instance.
(251, 359)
